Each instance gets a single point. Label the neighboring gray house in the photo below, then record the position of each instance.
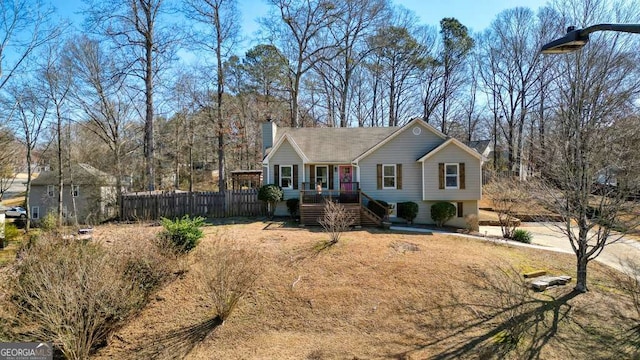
(414, 162)
(91, 192)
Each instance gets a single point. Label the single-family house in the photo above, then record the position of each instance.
(88, 194)
(355, 166)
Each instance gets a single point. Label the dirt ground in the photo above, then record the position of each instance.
(375, 295)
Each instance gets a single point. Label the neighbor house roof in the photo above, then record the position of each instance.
(81, 174)
(346, 144)
(479, 145)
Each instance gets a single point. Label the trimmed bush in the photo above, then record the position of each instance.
(182, 235)
(270, 194)
(442, 211)
(523, 236)
(408, 210)
(293, 205)
(381, 211)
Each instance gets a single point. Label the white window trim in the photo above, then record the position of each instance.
(457, 176)
(290, 177)
(75, 190)
(35, 212)
(315, 181)
(51, 190)
(395, 177)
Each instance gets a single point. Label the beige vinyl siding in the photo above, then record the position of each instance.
(468, 207)
(452, 154)
(404, 149)
(286, 155)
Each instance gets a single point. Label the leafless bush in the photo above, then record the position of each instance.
(507, 194)
(473, 224)
(226, 272)
(75, 293)
(336, 220)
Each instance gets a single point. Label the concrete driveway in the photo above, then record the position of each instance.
(615, 255)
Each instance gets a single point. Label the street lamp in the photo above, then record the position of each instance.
(577, 38)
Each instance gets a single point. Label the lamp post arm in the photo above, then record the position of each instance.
(627, 28)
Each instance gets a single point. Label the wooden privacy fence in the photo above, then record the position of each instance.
(208, 204)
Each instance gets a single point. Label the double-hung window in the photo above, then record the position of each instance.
(75, 190)
(451, 176)
(51, 190)
(286, 176)
(389, 176)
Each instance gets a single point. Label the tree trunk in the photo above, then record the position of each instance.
(148, 123)
(581, 273)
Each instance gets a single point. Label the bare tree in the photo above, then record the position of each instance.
(57, 83)
(358, 21)
(457, 43)
(11, 159)
(302, 27)
(31, 114)
(143, 46)
(592, 166)
(219, 33)
(99, 93)
(24, 27)
(510, 67)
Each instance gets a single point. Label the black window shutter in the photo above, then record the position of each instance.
(276, 175)
(295, 176)
(330, 177)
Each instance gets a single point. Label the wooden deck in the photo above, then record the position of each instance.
(312, 206)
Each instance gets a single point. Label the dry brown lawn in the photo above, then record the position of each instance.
(378, 295)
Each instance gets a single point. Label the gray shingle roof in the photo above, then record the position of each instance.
(479, 145)
(336, 145)
(83, 174)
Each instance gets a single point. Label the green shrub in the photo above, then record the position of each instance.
(442, 211)
(293, 205)
(11, 232)
(49, 222)
(182, 234)
(381, 211)
(270, 194)
(522, 236)
(408, 210)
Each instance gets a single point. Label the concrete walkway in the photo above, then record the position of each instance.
(549, 236)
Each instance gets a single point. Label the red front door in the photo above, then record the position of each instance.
(346, 177)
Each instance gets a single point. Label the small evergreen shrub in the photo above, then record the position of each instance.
(442, 211)
(49, 222)
(381, 211)
(293, 206)
(182, 234)
(11, 232)
(523, 236)
(408, 210)
(270, 194)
